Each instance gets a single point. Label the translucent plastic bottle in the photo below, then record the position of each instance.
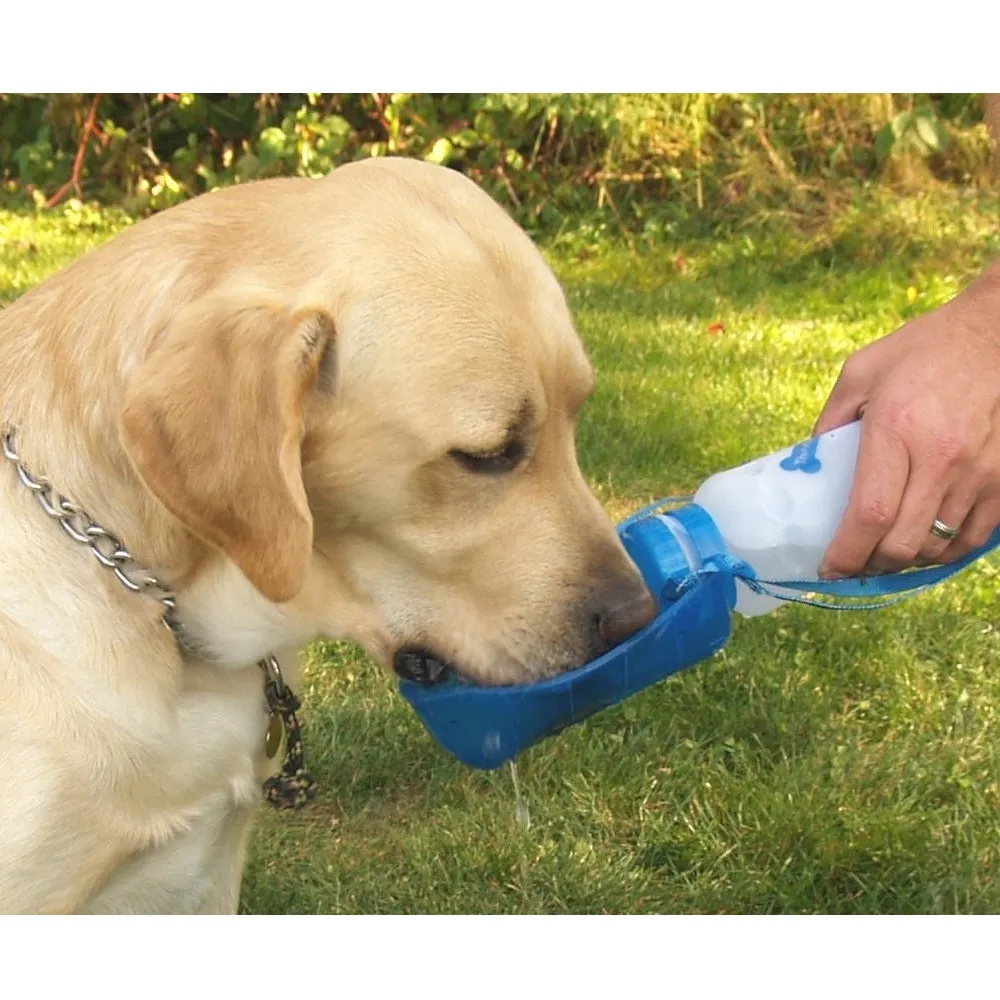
(777, 513)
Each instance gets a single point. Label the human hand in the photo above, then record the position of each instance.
(929, 398)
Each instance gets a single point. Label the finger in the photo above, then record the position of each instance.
(954, 512)
(845, 402)
(972, 484)
(841, 409)
(977, 528)
(922, 500)
(879, 481)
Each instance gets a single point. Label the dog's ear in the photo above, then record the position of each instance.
(213, 423)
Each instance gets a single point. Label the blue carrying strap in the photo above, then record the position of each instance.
(903, 585)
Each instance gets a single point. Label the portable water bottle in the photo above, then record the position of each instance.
(780, 513)
(770, 519)
(751, 538)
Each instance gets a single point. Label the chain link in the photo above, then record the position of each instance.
(106, 548)
(293, 787)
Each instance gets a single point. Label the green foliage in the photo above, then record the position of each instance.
(150, 151)
(918, 130)
(547, 157)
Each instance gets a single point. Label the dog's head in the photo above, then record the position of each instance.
(378, 430)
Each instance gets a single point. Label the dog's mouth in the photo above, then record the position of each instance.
(414, 663)
(424, 667)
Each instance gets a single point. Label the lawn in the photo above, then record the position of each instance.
(821, 763)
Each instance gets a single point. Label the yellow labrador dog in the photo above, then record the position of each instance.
(336, 408)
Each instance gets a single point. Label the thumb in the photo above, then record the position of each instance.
(845, 404)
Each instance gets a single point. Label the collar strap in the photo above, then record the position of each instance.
(293, 786)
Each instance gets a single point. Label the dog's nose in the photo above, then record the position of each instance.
(617, 622)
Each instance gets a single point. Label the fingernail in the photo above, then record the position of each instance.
(825, 573)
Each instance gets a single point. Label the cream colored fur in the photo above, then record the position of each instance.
(261, 392)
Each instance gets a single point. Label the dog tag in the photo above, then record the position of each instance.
(275, 730)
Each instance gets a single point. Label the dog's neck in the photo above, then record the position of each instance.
(67, 429)
(217, 616)
(226, 621)
(81, 348)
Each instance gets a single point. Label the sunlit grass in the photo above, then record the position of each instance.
(821, 762)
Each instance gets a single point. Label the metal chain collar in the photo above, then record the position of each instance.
(294, 786)
(107, 549)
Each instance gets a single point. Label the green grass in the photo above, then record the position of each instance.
(820, 763)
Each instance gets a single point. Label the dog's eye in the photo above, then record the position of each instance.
(491, 463)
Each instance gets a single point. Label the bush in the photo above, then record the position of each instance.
(544, 156)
